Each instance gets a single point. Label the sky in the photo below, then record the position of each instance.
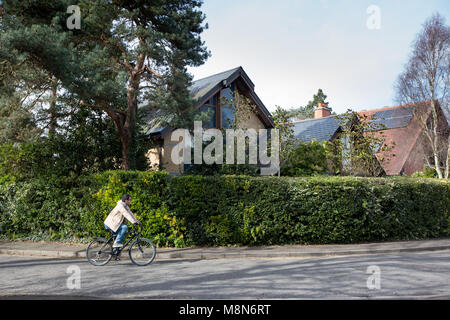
(352, 50)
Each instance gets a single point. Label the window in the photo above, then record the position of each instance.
(210, 108)
(227, 107)
(346, 161)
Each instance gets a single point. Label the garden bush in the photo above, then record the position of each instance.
(426, 173)
(229, 210)
(306, 159)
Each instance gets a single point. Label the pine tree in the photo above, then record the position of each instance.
(307, 111)
(125, 52)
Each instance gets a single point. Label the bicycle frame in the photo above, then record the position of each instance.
(138, 248)
(135, 236)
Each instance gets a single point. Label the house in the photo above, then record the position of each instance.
(323, 127)
(399, 125)
(208, 94)
(403, 130)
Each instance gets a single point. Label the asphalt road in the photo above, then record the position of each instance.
(402, 276)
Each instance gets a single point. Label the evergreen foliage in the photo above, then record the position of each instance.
(124, 54)
(307, 112)
(229, 210)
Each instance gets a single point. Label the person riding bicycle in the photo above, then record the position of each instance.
(117, 219)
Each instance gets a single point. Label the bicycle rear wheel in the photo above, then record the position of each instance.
(99, 252)
(142, 252)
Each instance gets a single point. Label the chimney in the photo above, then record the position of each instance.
(322, 111)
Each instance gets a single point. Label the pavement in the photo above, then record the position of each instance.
(76, 251)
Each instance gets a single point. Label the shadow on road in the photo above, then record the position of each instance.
(48, 297)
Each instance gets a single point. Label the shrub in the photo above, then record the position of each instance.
(147, 190)
(306, 159)
(41, 208)
(230, 210)
(427, 173)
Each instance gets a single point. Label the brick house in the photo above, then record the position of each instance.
(208, 93)
(404, 129)
(401, 128)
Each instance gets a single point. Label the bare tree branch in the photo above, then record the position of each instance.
(425, 82)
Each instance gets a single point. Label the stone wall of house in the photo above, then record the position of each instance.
(160, 156)
(166, 157)
(253, 122)
(153, 158)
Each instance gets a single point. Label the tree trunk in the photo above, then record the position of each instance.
(125, 139)
(125, 122)
(435, 142)
(436, 165)
(52, 111)
(119, 120)
(129, 127)
(128, 141)
(447, 161)
(126, 125)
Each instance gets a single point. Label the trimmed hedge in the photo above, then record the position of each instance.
(230, 210)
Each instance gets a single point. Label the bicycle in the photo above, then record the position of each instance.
(142, 251)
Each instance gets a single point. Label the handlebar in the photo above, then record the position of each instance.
(137, 227)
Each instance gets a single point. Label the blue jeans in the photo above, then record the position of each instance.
(120, 232)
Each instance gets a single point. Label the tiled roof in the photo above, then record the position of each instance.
(400, 130)
(156, 120)
(397, 125)
(322, 129)
(201, 89)
(391, 117)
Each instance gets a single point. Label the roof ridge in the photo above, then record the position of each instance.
(388, 108)
(215, 75)
(387, 118)
(311, 119)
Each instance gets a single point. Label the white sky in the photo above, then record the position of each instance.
(291, 48)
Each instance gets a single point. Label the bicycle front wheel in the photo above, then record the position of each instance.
(99, 252)
(142, 252)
